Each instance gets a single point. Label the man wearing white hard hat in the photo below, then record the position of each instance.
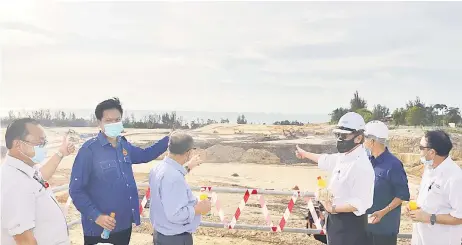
(351, 182)
(391, 187)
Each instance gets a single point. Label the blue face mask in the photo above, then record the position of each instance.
(426, 162)
(113, 129)
(369, 153)
(40, 154)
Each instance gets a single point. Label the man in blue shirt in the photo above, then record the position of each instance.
(391, 187)
(174, 211)
(102, 178)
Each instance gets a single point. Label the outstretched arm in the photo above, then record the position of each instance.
(140, 155)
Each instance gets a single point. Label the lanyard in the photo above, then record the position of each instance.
(41, 181)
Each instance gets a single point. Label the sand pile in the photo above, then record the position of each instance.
(409, 159)
(223, 154)
(404, 144)
(260, 156)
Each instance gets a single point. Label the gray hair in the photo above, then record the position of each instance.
(180, 143)
(377, 139)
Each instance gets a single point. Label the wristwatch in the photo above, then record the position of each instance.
(433, 219)
(59, 154)
(333, 209)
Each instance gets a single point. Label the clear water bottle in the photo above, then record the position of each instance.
(106, 232)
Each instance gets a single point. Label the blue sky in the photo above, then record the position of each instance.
(299, 57)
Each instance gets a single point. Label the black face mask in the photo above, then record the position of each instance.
(346, 145)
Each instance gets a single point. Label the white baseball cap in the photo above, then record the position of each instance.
(377, 129)
(349, 123)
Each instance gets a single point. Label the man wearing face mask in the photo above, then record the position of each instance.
(390, 188)
(175, 211)
(438, 219)
(29, 210)
(351, 183)
(102, 178)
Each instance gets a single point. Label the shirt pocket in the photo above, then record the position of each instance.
(436, 199)
(110, 170)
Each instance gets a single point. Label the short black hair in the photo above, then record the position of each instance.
(180, 143)
(439, 141)
(113, 103)
(17, 130)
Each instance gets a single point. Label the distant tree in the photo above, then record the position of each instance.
(415, 103)
(366, 114)
(336, 114)
(453, 115)
(241, 119)
(287, 122)
(399, 116)
(415, 116)
(224, 120)
(11, 115)
(357, 102)
(441, 108)
(380, 112)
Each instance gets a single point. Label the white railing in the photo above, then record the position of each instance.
(238, 226)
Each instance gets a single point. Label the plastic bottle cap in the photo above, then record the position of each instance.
(112, 215)
(319, 177)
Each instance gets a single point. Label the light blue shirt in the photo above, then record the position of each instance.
(172, 201)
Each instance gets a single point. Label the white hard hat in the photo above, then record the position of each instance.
(349, 123)
(377, 129)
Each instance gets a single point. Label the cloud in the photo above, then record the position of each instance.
(239, 56)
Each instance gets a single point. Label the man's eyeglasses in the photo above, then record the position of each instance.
(423, 147)
(42, 144)
(341, 136)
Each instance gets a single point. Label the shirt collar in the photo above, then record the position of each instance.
(19, 165)
(442, 167)
(354, 154)
(103, 140)
(381, 158)
(175, 165)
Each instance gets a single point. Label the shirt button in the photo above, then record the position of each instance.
(133, 209)
(127, 185)
(130, 197)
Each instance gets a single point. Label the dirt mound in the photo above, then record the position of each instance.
(223, 154)
(260, 156)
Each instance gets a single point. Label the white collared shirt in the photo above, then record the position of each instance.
(440, 193)
(27, 205)
(352, 178)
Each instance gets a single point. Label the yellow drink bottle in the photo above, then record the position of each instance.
(412, 205)
(322, 192)
(202, 197)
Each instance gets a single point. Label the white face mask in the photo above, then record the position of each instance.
(426, 162)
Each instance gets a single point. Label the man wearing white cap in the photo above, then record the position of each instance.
(351, 182)
(391, 187)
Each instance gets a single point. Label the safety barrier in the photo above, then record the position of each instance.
(247, 193)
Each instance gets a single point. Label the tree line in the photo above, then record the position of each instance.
(414, 113)
(151, 121)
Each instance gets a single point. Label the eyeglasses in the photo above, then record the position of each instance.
(341, 136)
(423, 147)
(42, 144)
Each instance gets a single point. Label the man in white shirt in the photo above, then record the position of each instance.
(438, 219)
(351, 182)
(30, 213)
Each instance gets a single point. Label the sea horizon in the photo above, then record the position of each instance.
(252, 117)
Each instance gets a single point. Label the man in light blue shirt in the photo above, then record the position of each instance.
(175, 212)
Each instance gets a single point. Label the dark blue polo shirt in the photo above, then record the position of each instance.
(390, 182)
